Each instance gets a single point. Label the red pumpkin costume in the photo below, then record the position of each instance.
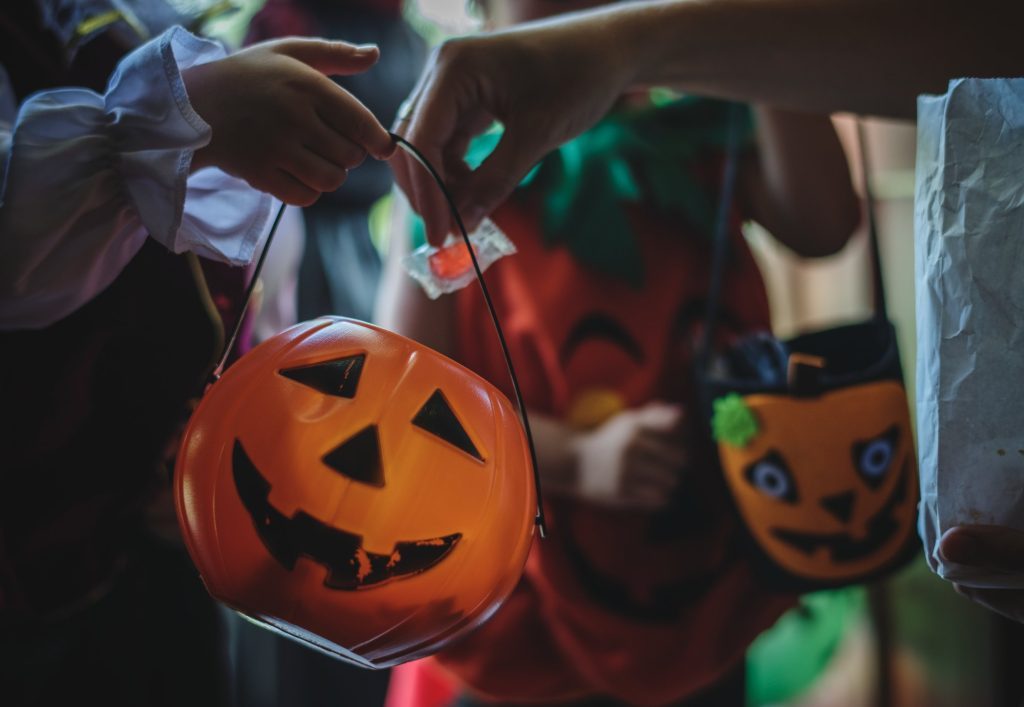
(646, 609)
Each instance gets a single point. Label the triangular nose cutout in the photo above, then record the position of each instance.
(840, 505)
(358, 457)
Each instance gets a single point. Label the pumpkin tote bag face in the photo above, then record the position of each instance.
(826, 485)
(815, 443)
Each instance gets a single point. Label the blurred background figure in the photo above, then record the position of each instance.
(638, 595)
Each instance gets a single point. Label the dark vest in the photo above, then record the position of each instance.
(94, 403)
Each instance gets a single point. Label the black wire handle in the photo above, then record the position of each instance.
(418, 156)
(873, 245)
(222, 364)
(720, 239)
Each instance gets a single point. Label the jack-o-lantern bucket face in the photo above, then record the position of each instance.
(827, 485)
(356, 490)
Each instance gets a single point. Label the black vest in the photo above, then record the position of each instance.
(94, 403)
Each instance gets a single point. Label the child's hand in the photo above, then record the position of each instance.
(279, 123)
(634, 459)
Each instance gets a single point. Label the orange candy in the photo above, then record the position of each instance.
(451, 261)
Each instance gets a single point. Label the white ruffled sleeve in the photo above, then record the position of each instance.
(87, 177)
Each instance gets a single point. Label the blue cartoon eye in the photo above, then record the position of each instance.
(874, 457)
(771, 476)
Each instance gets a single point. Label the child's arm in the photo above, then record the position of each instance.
(799, 186)
(88, 177)
(279, 123)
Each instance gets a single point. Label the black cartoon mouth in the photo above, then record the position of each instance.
(881, 527)
(349, 565)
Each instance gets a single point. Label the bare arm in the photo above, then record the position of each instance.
(864, 56)
(799, 187)
(549, 81)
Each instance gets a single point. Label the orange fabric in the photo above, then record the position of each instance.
(645, 608)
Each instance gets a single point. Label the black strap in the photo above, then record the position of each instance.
(878, 285)
(222, 364)
(720, 236)
(720, 250)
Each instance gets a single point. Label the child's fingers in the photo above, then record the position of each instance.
(659, 416)
(314, 171)
(330, 58)
(354, 121)
(288, 188)
(334, 147)
(669, 453)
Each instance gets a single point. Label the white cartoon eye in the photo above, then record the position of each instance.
(771, 476)
(874, 457)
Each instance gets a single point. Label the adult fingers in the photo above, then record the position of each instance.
(330, 58)
(344, 114)
(431, 123)
(493, 181)
(401, 161)
(987, 546)
(425, 195)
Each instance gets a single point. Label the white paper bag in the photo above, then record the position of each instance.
(969, 262)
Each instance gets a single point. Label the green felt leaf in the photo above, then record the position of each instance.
(733, 422)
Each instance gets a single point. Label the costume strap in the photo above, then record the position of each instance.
(720, 246)
(869, 200)
(720, 235)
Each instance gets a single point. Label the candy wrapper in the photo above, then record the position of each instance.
(969, 242)
(449, 268)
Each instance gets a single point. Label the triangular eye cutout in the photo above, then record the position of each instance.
(339, 377)
(358, 457)
(437, 418)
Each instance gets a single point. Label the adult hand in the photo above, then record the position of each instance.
(994, 548)
(279, 123)
(634, 459)
(545, 82)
